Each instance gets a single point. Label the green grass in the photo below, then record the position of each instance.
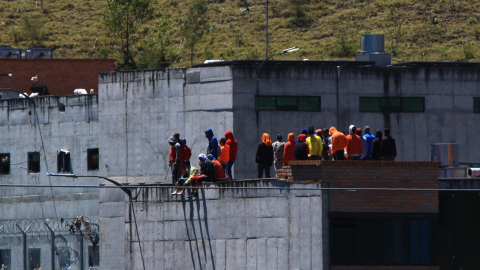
(426, 30)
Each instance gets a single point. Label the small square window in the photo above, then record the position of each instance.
(476, 105)
(63, 161)
(4, 163)
(34, 259)
(5, 258)
(34, 162)
(93, 256)
(93, 159)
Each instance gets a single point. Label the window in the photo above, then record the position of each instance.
(63, 161)
(476, 105)
(381, 240)
(288, 103)
(392, 104)
(93, 159)
(5, 258)
(63, 254)
(93, 256)
(4, 163)
(34, 162)
(34, 259)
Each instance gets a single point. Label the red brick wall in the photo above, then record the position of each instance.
(372, 174)
(61, 76)
(385, 267)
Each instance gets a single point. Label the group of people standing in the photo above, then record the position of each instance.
(215, 164)
(324, 144)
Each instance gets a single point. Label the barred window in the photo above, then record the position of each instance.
(93, 159)
(392, 104)
(5, 163)
(34, 162)
(288, 103)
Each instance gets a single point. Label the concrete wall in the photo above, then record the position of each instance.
(140, 110)
(75, 129)
(448, 115)
(224, 229)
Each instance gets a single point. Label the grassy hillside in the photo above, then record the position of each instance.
(425, 30)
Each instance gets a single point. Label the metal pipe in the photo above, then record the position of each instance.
(82, 259)
(52, 248)
(474, 172)
(25, 267)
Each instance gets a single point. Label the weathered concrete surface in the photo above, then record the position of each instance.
(223, 229)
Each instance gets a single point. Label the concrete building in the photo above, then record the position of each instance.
(121, 133)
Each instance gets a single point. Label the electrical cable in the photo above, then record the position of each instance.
(244, 188)
(138, 235)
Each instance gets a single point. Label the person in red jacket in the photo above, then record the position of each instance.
(289, 152)
(354, 144)
(233, 152)
(219, 172)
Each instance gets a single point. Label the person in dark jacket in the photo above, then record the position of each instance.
(212, 148)
(326, 147)
(207, 173)
(264, 156)
(388, 148)
(376, 145)
(301, 148)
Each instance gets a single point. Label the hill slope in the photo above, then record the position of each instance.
(427, 30)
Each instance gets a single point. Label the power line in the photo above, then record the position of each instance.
(240, 188)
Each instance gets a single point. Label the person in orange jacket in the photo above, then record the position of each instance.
(354, 144)
(339, 142)
(224, 157)
(289, 152)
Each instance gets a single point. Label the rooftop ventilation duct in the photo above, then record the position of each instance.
(373, 49)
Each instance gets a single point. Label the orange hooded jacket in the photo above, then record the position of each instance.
(339, 141)
(289, 152)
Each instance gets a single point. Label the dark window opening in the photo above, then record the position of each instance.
(34, 162)
(288, 103)
(392, 104)
(476, 105)
(63, 257)
(4, 163)
(61, 107)
(381, 241)
(34, 259)
(5, 258)
(93, 159)
(93, 256)
(63, 161)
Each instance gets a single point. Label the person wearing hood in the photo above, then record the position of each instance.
(219, 171)
(175, 157)
(232, 152)
(186, 154)
(264, 156)
(289, 150)
(225, 155)
(388, 148)
(369, 138)
(354, 144)
(207, 173)
(315, 144)
(278, 151)
(212, 148)
(376, 145)
(364, 143)
(339, 142)
(301, 148)
(326, 143)
(304, 131)
(187, 176)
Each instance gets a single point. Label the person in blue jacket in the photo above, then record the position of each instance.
(212, 148)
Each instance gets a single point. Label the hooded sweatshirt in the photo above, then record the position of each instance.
(301, 148)
(264, 155)
(207, 169)
(289, 149)
(233, 145)
(304, 131)
(354, 144)
(364, 142)
(212, 143)
(175, 149)
(376, 145)
(339, 141)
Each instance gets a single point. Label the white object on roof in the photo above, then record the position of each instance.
(80, 92)
(35, 79)
(22, 96)
(66, 151)
(33, 95)
(92, 91)
(212, 61)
